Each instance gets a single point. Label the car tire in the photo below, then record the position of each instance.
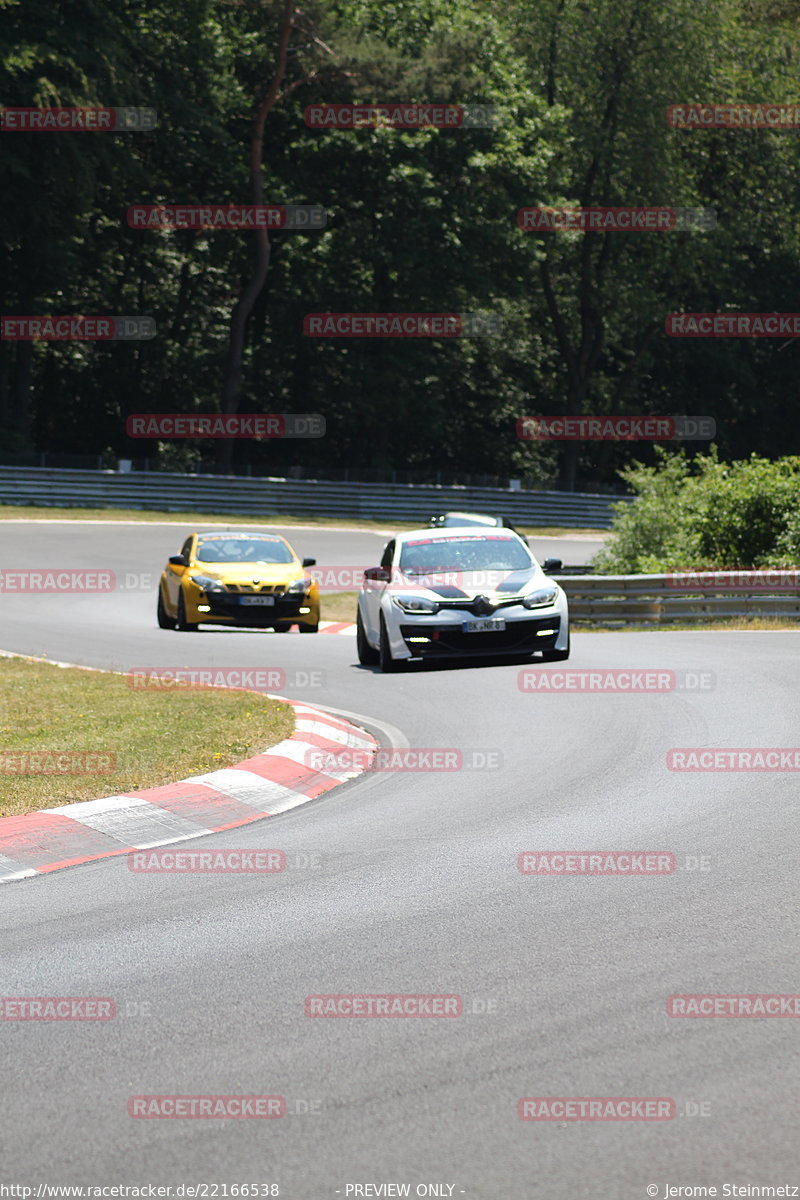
(308, 628)
(165, 621)
(367, 656)
(281, 628)
(389, 665)
(182, 624)
(556, 655)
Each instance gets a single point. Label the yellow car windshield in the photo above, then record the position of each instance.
(239, 548)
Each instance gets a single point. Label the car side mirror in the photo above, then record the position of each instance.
(551, 564)
(309, 562)
(178, 560)
(377, 575)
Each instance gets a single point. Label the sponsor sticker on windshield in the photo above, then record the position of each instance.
(250, 537)
(479, 537)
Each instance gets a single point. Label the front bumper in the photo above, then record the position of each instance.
(444, 637)
(227, 608)
(448, 641)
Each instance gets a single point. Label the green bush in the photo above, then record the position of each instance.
(706, 514)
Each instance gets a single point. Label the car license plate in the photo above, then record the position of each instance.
(256, 599)
(484, 625)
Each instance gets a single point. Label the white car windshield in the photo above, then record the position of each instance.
(429, 556)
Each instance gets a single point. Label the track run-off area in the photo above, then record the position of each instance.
(407, 883)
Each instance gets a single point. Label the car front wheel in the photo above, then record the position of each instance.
(165, 621)
(367, 656)
(389, 665)
(556, 655)
(183, 625)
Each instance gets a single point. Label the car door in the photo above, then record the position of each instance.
(175, 575)
(373, 594)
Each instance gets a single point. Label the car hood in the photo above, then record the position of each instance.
(242, 573)
(460, 585)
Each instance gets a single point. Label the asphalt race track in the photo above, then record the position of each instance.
(564, 979)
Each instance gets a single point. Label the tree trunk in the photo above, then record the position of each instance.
(232, 386)
(22, 390)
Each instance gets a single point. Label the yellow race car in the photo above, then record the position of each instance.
(253, 580)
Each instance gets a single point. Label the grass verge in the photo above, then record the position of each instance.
(742, 624)
(10, 512)
(338, 606)
(153, 737)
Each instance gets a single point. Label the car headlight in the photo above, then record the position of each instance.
(207, 583)
(540, 598)
(300, 585)
(416, 604)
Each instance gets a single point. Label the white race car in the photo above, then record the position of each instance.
(460, 592)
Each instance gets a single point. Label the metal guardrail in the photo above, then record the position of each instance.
(660, 599)
(308, 497)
